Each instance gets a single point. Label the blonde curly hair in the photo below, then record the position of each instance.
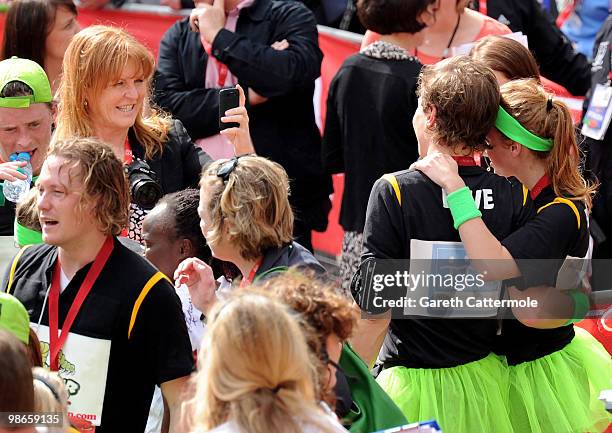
(253, 202)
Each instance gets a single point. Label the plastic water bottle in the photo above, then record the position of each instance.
(16, 190)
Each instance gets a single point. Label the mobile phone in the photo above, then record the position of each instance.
(228, 98)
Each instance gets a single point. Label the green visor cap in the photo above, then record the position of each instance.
(14, 317)
(25, 236)
(29, 73)
(512, 129)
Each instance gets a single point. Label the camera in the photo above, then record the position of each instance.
(144, 187)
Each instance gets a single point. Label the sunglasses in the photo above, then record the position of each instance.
(227, 167)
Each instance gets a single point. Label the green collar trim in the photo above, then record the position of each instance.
(513, 129)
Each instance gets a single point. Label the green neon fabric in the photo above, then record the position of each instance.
(462, 206)
(25, 236)
(513, 129)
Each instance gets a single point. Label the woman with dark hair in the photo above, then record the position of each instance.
(455, 25)
(369, 102)
(55, 23)
(171, 233)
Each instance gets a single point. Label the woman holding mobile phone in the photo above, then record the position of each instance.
(105, 92)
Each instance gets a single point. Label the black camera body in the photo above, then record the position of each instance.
(144, 186)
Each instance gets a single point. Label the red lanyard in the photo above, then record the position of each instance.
(248, 280)
(128, 155)
(128, 158)
(539, 186)
(58, 340)
(221, 68)
(468, 161)
(482, 6)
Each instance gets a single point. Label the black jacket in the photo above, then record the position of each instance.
(367, 128)
(557, 58)
(283, 128)
(599, 152)
(180, 164)
(291, 255)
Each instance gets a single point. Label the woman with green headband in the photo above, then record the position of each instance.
(556, 370)
(436, 367)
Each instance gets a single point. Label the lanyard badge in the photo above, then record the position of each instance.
(597, 118)
(58, 337)
(598, 115)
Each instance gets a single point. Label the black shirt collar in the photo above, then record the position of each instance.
(546, 196)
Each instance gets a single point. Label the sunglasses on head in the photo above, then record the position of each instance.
(227, 167)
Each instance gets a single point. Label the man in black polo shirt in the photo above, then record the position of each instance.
(26, 119)
(112, 328)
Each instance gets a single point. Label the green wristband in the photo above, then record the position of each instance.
(582, 305)
(462, 206)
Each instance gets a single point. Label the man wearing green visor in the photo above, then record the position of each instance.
(26, 122)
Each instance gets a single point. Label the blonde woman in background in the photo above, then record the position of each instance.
(50, 394)
(255, 374)
(247, 220)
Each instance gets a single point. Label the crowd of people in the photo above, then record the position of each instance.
(166, 280)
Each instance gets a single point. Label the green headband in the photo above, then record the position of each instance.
(512, 129)
(25, 236)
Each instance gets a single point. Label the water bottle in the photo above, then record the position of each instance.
(16, 190)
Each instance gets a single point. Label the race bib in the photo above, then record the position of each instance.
(83, 364)
(445, 284)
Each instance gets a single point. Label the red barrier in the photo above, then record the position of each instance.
(600, 325)
(146, 27)
(336, 51)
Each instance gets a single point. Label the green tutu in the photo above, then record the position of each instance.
(470, 398)
(558, 392)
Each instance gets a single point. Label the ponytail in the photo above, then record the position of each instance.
(270, 410)
(564, 159)
(528, 102)
(255, 370)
